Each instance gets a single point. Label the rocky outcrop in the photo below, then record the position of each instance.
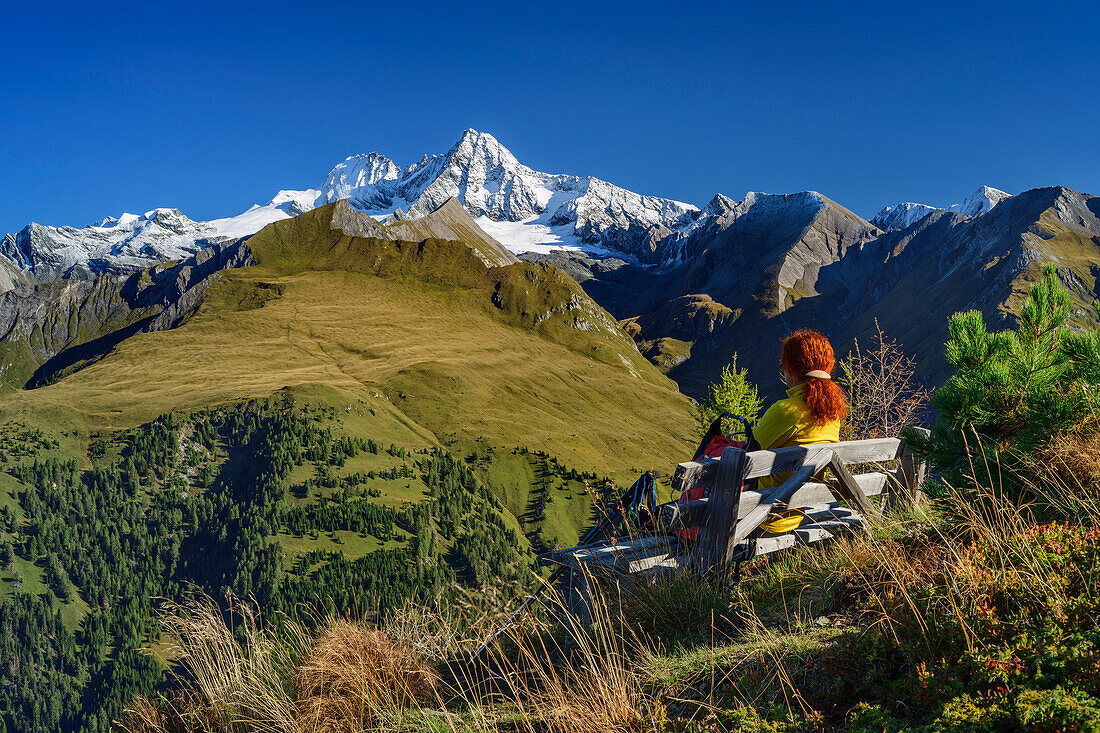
(46, 329)
(778, 263)
(449, 222)
(452, 223)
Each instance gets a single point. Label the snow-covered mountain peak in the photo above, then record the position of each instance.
(981, 201)
(356, 173)
(903, 215)
(524, 209)
(163, 216)
(720, 205)
(484, 147)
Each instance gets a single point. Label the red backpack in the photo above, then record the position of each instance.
(712, 445)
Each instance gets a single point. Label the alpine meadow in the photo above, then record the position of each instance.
(445, 442)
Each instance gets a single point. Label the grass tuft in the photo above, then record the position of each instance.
(354, 678)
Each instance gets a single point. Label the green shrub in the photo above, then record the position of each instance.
(733, 393)
(870, 718)
(1008, 630)
(1012, 391)
(1058, 710)
(968, 715)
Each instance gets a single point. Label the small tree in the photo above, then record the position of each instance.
(884, 395)
(733, 392)
(1013, 391)
(54, 575)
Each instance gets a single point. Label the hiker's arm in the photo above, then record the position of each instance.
(777, 426)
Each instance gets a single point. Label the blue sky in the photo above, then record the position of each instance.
(212, 107)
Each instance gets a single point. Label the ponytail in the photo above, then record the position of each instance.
(808, 351)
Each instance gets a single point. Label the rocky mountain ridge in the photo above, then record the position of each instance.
(902, 215)
(523, 209)
(753, 277)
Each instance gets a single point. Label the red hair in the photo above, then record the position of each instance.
(807, 351)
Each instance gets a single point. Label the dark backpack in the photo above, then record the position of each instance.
(711, 446)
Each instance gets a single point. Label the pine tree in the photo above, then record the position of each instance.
(733, 392)
(1012, 391)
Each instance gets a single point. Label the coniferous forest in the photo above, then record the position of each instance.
(206, 502)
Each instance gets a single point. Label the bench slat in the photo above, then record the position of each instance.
(676, 515)
(616, 554)
(815, 461)
(822, 522)
(781, 460)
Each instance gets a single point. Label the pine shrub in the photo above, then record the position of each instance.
(1013, 391)
(733, 393)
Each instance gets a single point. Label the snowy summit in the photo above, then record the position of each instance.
(523, 209)
(904, 215)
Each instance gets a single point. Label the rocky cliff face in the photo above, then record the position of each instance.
(46, 329)
(770, 264)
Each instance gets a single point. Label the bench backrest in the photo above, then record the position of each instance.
(729, 516)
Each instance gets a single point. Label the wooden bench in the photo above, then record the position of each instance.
(729, 519)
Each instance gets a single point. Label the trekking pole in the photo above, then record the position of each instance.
(635, 493)
(511, 619)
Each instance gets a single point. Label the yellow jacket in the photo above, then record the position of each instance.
(789, 422)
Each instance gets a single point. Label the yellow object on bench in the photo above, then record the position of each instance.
(783, 522)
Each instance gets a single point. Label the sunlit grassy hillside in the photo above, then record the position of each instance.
(514, 356)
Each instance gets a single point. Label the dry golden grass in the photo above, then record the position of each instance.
(1071, 459)
(181, 712)
(586, 684)
(354, 678)
(143, 715)
(234, 683)
(451, 631)
(347, 677)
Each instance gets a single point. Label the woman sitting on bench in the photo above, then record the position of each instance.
(815, 405)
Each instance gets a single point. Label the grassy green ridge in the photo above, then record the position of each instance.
(486, 381)
(518, 353)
